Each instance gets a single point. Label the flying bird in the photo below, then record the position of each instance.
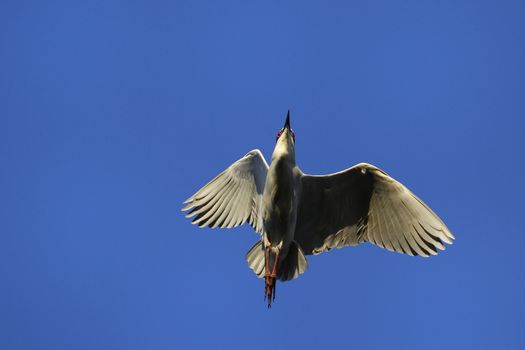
(298, 214)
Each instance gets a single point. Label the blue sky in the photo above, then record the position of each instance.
(114, 112)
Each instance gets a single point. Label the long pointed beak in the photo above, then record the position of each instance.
(287, 122)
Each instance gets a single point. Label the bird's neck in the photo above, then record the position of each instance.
(280, 178)
(284, 151)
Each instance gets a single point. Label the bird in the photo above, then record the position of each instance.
(298, 214)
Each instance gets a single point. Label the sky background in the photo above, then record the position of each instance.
(112, 113)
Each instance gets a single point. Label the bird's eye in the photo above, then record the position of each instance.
(278, 135)
(293, 136)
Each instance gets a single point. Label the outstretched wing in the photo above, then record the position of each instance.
(364, 204)
(232, 197)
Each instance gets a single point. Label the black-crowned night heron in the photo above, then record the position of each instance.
(299, 214)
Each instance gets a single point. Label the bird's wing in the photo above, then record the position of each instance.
(364, 204)
(232, 197)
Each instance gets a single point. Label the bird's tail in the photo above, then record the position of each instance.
(293, 265)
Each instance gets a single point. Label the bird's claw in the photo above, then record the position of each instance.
(270, 278)
(269, 288)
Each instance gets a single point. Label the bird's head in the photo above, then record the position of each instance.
(286, 134)
(285, 142)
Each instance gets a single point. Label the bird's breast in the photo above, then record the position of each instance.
(279, 201)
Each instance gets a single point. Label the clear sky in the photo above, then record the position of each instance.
(112, 113)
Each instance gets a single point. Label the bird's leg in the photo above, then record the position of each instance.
(270, 277)
(274, 272)
(267, 291)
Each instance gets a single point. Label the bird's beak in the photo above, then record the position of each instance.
(287, 122)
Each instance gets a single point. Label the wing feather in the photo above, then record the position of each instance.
(238, 215)
(208, 201)
(233, 209)
(363, 204)
(211, 216)
(226, 207)
(232, 197)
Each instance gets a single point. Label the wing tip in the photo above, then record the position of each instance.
(187, 207)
